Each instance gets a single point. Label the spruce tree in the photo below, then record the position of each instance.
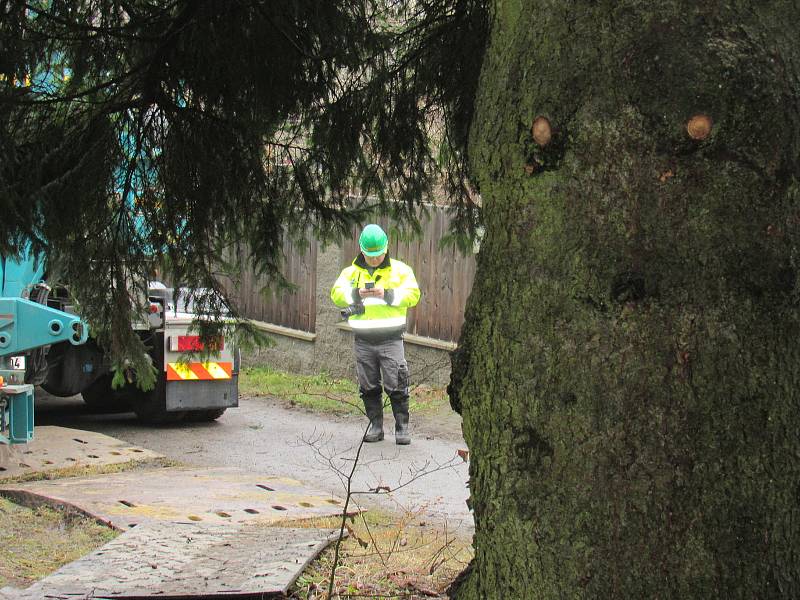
(628, 374)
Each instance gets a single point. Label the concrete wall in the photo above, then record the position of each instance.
(331, 350)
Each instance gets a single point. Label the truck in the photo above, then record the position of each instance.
(193, 383)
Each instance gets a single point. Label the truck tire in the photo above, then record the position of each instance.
(101, 397)
(205, 416)
(151, 406)
(70, 369)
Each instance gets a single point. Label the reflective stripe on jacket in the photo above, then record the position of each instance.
(379, 319)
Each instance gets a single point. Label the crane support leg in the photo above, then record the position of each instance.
(16, 414)
(25, 326)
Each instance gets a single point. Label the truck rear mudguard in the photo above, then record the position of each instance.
(189, 384)
(202, 395)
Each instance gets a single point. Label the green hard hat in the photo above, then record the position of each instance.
(373, 240)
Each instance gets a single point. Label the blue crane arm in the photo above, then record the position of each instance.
(17, 275)
(25, 325)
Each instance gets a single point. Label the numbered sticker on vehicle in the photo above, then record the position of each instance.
(17, 363)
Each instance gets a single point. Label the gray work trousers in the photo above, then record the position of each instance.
(382, 362)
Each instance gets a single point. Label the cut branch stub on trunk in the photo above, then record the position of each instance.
(699, 127)
(541, 131)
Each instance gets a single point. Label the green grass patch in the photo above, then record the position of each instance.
(323, 392)
(320, 392)
(36, 542)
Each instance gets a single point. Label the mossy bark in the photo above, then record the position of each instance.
(629, 374)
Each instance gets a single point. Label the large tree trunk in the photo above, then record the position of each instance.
(630, 371)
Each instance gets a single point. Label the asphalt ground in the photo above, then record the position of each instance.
(263, 435)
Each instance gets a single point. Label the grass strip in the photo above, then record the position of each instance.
(35, 542)
(325, 393)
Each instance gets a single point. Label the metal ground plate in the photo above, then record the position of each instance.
(182, 495)
(55, 447)
(168, 560)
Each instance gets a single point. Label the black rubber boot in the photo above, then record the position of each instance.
(400, 410)
(373, 405)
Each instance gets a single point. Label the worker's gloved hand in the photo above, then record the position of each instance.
(388, 296)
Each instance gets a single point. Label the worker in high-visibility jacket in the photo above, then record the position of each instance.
(374, 293)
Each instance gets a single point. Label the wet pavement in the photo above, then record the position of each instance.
(263, 436)
(200, 529)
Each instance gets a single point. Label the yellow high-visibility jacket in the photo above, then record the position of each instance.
(382, 319)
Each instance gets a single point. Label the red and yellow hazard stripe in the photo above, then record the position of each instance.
(199, 371)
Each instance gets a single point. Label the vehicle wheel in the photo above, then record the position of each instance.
(101, 397)
(150, 407)
(204, 416)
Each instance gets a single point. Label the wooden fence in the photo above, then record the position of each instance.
(297, 309)
(444, 276)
